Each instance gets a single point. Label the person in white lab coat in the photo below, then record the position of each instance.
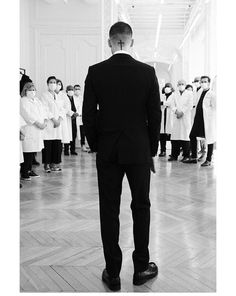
(22, 136)
(79, 103)
(204, 125)
(202, 143)
(181, 106)
(51, 154)
(34, 114)
(67, 113)
(167, 116)
(73, 125)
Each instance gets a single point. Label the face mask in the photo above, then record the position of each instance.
(205, 85)
(181, 87)
(70, 93)
(77, 92)
(58, 87)
(52, 86)
(197, 84)
(167, 90)
(31, 94)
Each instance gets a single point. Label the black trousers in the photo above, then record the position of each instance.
(163, 139)
(51, 152)
(193, 143)
(82, 135)
(74, 135)
(26, 166)
(175, 148)
(110, 176)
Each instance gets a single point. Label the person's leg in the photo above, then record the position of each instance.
(175, 148)
(56, 151)
(203, 146)
(186, 148)
(74, 135)
(209, 152)
(66, 149)
(82, 135)
(46, 152)
(139, 181)
(163, 138)
(193, 144)
(110, 176)
(26, 166)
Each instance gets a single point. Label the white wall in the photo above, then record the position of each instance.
(199, 51)
(59, 39)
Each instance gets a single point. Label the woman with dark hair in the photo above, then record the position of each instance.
(34, 114)
(166, 120)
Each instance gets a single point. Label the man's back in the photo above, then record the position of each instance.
(128, 120)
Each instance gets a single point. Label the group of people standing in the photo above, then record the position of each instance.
(189, 115)
(48, 123)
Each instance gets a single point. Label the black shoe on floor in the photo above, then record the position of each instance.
(33, 174)
(206, 163)
(162, 154)
(74, 153)
(172, 158)
(35, 162)
(112, 283)
(66, 153)
(190, 160)
(184, 158)
(142, 277)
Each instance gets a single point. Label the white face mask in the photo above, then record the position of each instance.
(31, 94)
(70, 93)
(58, 88)
(205, 85)
(181, 87)
(167, 90)
(52, 86)
(77, 92)
(197, 84)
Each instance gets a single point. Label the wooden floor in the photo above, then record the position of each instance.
(60, 240)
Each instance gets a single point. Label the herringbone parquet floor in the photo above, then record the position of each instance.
(60, 241)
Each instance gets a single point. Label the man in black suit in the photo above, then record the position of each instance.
(121, 116)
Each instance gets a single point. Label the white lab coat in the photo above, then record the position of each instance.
(169, 114)
(209, 115)
(181, 127)
(22, 125)
(65, 105)
(54, 110)
(32, 110)
(78, 105)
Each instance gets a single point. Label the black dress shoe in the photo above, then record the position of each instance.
(35, 162)
(162, 154)
(142, 277)
(112, 283)
(66, 153)
(172, 158)
(74, 153)
(190, 160)
(206, 163)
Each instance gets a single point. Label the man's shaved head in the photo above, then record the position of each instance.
(120, 37)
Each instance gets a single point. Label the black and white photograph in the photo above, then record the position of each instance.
(117, 155)
(117, 134)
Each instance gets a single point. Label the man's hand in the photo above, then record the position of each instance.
(56, 122)
(179, 114)
(75, 114)
(39, 125)
(152, 165)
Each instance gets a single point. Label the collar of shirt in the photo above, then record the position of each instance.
(121, 51)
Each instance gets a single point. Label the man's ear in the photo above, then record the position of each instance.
(132, 43)
(109, 43)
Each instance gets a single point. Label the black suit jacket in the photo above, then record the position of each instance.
(121, 110)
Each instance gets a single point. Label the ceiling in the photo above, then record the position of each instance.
(158, 26)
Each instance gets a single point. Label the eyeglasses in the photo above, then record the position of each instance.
(181, 84)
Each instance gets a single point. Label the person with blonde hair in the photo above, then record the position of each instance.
(33, 112)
